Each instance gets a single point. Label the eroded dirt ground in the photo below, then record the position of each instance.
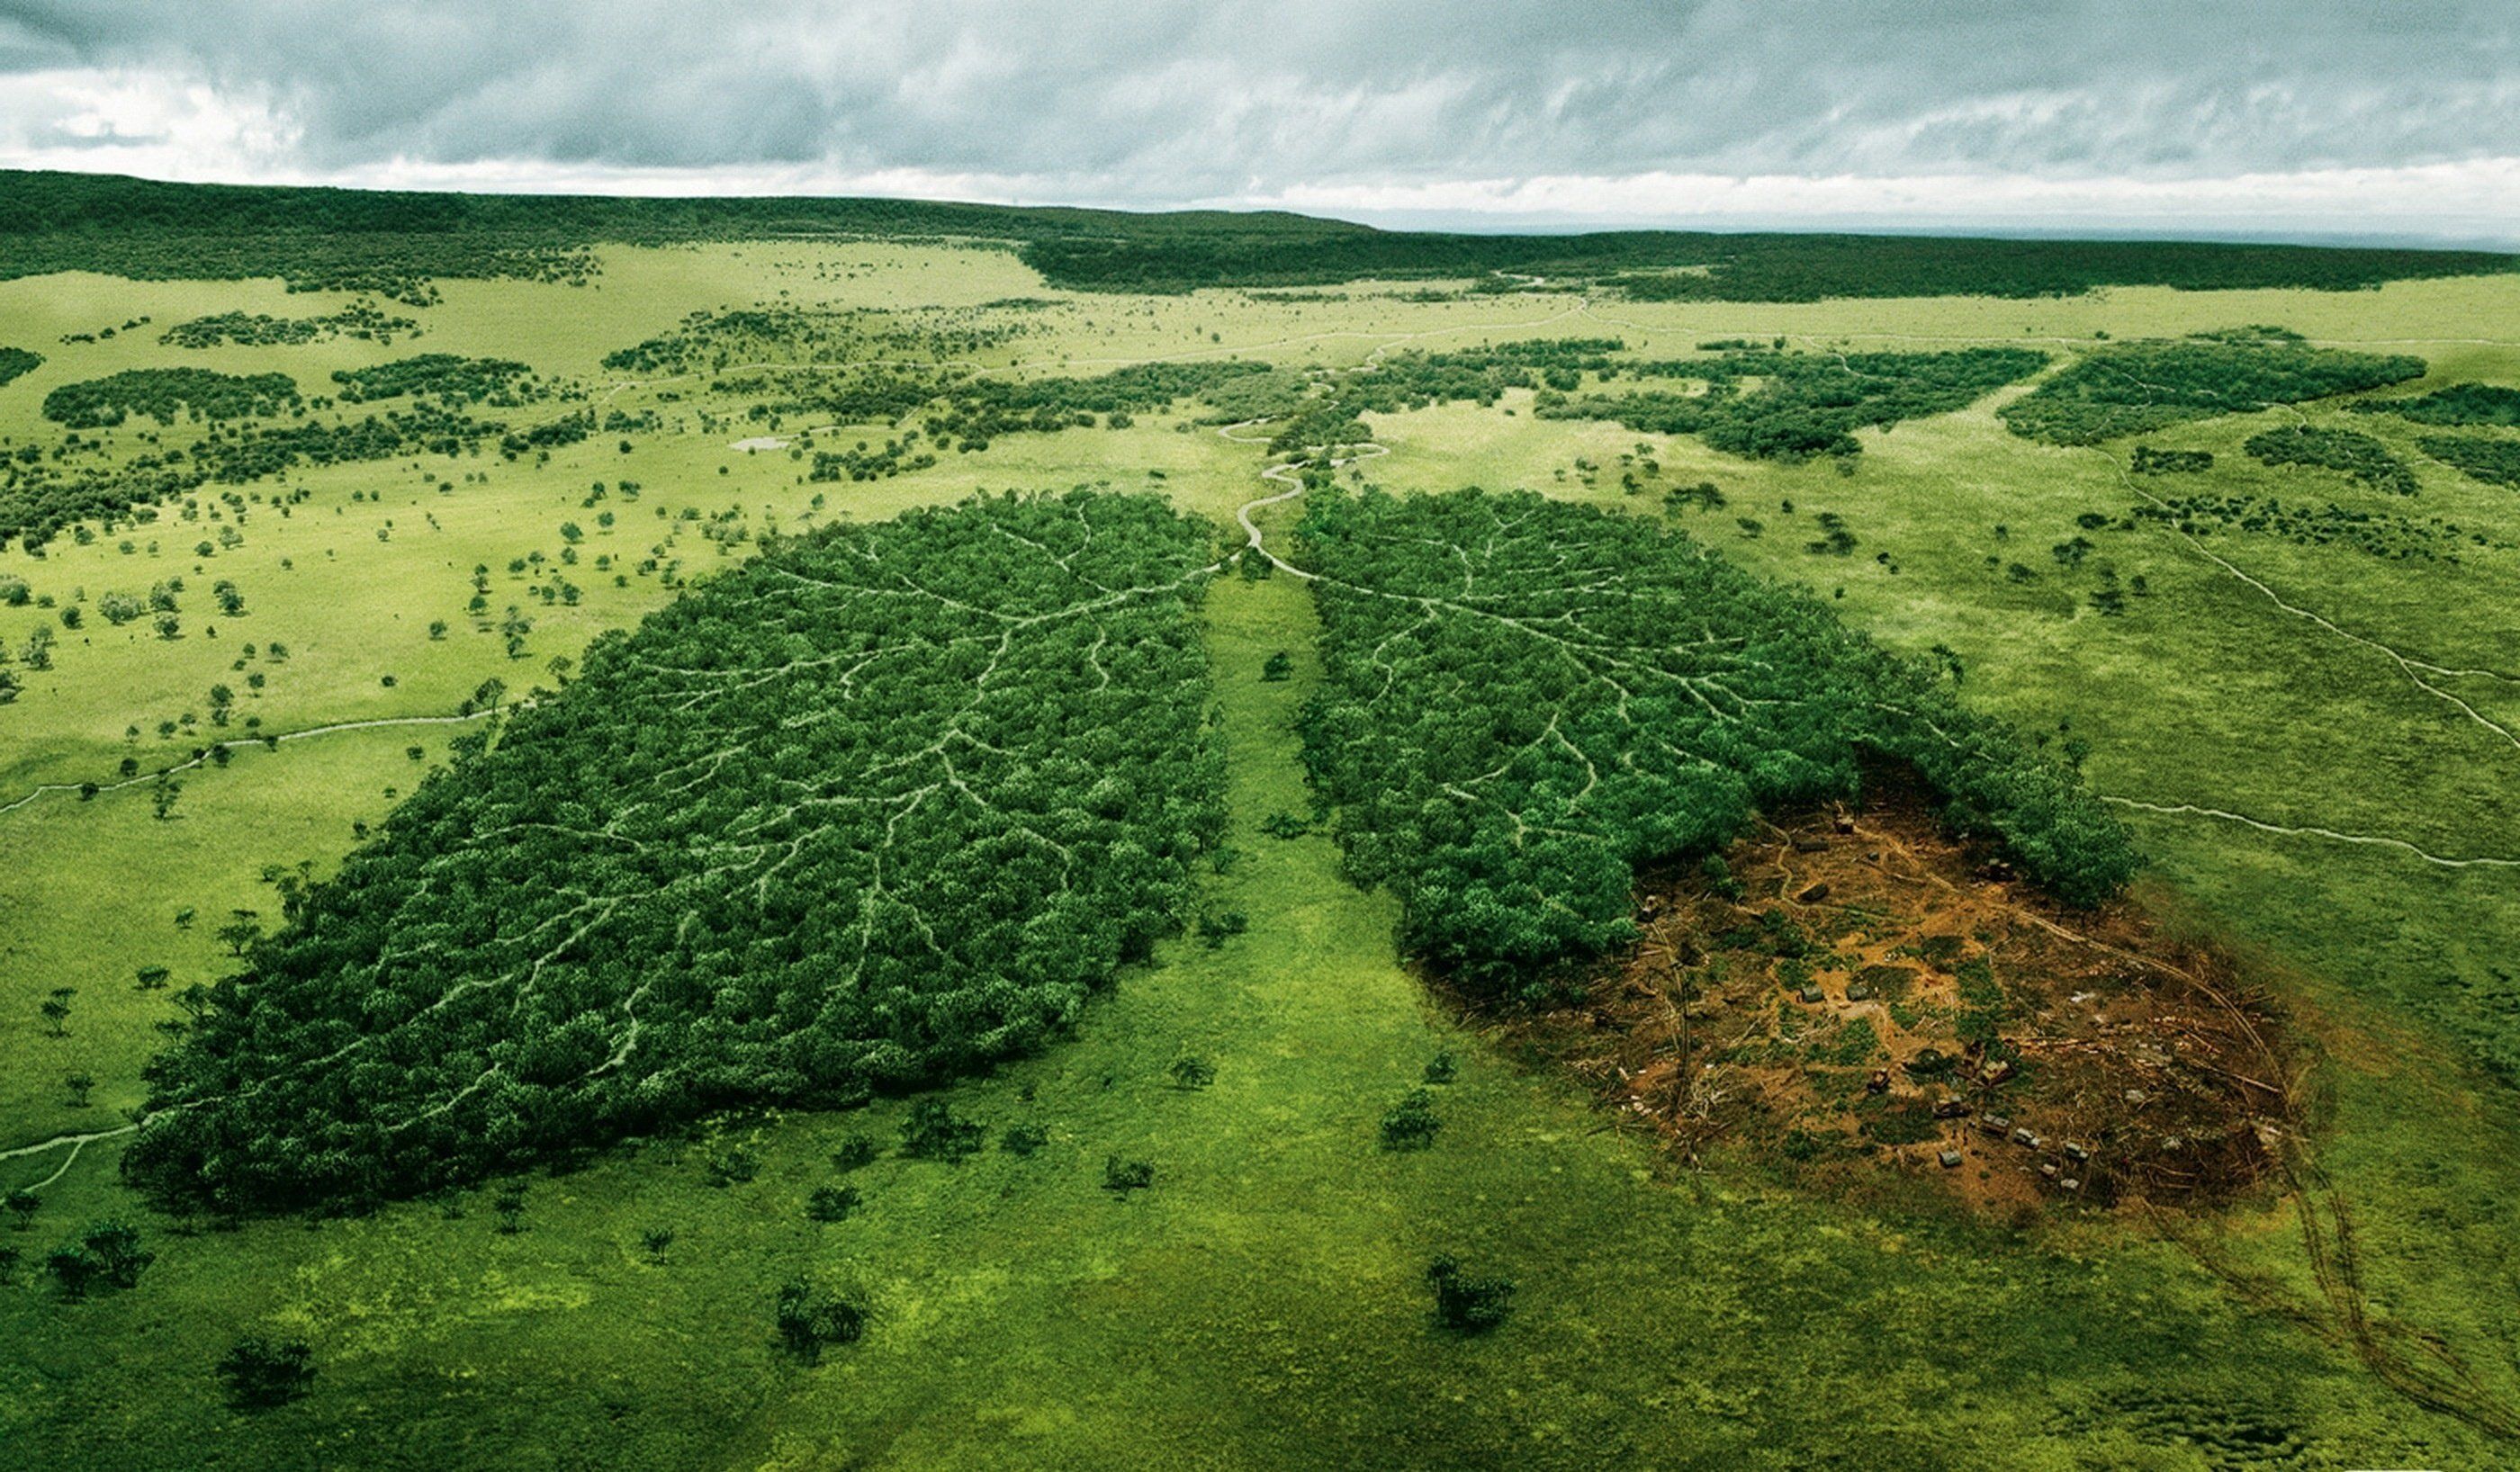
(1852, 992)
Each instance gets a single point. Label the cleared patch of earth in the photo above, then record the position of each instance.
(1853, 994)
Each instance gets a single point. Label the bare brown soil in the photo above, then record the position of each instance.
(1864, 994)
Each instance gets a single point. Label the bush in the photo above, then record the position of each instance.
(108, 1254)
(932, 1132)
(1411, 1124)
(262, 1372)
(831, 1203)
(1464, 1304)
(1121, 1176)
(812, 1319)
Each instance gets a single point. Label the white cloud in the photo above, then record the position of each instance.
(2077, 113)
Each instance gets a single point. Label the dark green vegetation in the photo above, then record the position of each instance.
(978, 410)
(164, 394)
(2151, 460)
(1726, 267)
(1802, 404)
(16, 363)
(392, 243)
(360, 320)
(1752, 402)
(962, 411)
(2134, 387)
(775, 334)
(2373, 533)
(38, 498)
(894, 801)
(2465, 405)
(2496, 461)
(262, 1372)
(2358, 456)
(1525, 700)
(497, 382)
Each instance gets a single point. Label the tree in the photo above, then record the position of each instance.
(831, 1203)
(22, 1204)
(240, 933)
(1193, 1073)
(162, 796)
(78, 1085)
(933, 1132)
(809, 1318)
(1411, 1124)
(262, 1372)
(1278, 666)
(56, 1010)
(1464, 1304)
(107, 1254)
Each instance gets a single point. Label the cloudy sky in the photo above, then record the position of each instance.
(2304, 117)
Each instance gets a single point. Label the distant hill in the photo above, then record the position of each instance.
(396, 242)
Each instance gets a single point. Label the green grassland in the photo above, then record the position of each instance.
(2314, 744)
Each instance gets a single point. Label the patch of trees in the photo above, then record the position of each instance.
(167, 393)
(16, 363)
(1769, 404)
(775, 334)
(362, 320)
(1685, 266)
(39, 500)
(392, 243)
(2149, 461)
(1524, 700)
(500, 382)
(2466, 405)
(2134, 388)
(2354, 455)
(885, 805)
(2496, 461)
(425, 430)
(978, 410)
(864, 464)
(2378, 534)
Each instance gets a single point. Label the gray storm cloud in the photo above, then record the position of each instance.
(1158, 101)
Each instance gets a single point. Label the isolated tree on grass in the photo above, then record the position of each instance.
(262, 1372)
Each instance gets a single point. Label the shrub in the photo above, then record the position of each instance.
(262, 1372)
(1411, 1124)
(1464, 1304)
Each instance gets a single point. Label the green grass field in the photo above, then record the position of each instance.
(2317, 746)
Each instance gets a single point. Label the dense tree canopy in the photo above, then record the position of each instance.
(2134, 388)
(2496, 461)
(1792, 406)
(164, 393)
(497, 381)
(886, 804)
(392, 243)
(360, 319)
(2359, 456)
(1523, 700)
(2468, 405)
(16, 363)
